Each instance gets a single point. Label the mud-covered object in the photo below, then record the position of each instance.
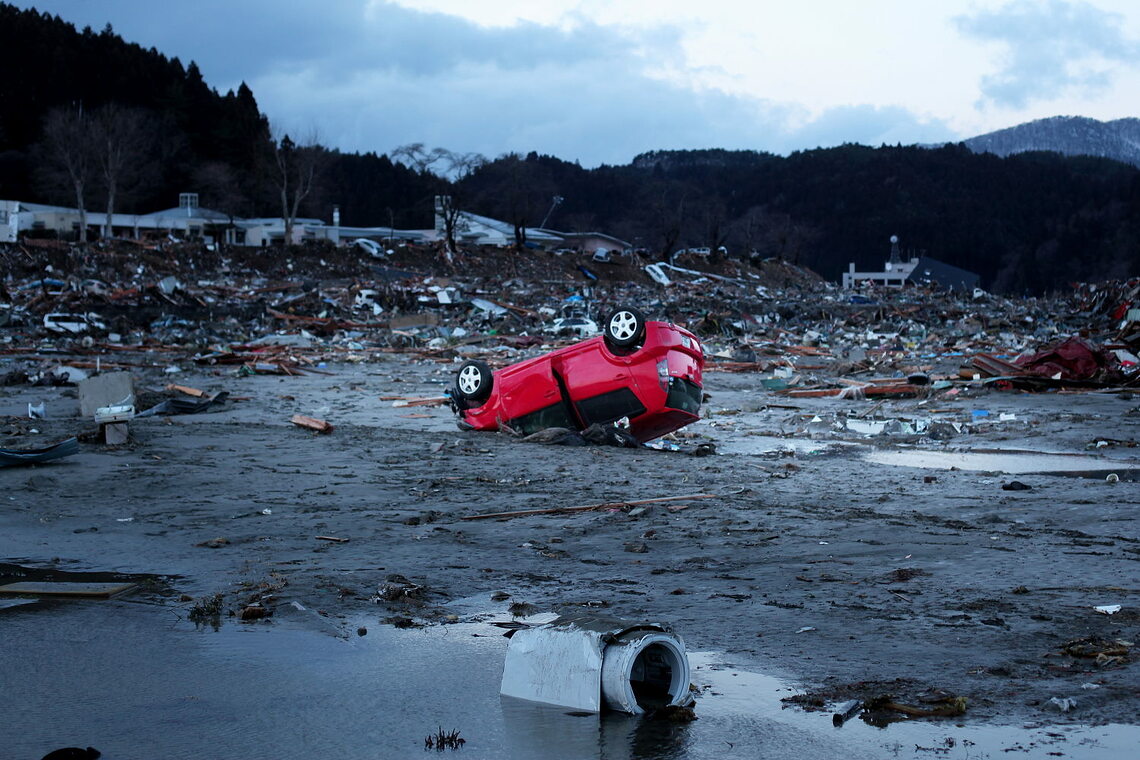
(73, 753)
(610, 435)
(12, 457)
(596, 434)
(15, 377)
(556, 436)
(187, 406)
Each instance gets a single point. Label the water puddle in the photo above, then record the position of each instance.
(733, 696)
(1014, 463)
(774, 447)
(137, 679)
(27, 584)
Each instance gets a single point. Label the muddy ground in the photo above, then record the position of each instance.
(810, 563)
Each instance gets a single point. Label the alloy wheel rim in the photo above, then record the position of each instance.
(470, 378)
(623, 325)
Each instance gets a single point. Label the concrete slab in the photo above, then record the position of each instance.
(105, 389)
(64, 588)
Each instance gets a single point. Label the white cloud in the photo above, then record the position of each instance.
(602, 80)
(1052, 49)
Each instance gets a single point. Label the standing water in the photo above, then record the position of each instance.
(136, 680)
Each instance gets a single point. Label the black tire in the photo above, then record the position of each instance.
(624, 327)
(474, 381)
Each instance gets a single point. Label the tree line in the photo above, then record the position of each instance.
(88, 119)
(1028, 223)
(98, 122)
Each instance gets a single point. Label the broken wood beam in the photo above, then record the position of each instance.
(187, 390)
(429, 401)
(867, 391)
(312, 423)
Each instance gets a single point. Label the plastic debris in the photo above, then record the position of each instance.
(1064, 704)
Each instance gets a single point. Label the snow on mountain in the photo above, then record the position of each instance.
(1068, 135)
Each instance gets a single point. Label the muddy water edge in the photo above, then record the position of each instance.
(843, 578)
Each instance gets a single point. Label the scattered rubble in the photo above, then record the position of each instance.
(776, 328)
(120, 304)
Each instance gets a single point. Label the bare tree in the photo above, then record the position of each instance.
(122, 140)
(220, 188)
(518, 190)
(459, 167)
(665, 203)
(712, 216)
(745, 231)
(65, 157)
(296, 176)
(416, 156)
(777, 234)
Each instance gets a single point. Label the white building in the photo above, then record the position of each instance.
(923, 271)
(188, 221)
(9, 221)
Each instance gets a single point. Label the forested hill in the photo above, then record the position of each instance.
(1067, 135)
(48, 64)
(219, 145)
(1028, 222)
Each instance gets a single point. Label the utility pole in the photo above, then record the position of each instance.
(555, 201)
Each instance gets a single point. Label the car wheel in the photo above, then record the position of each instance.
(625, 327)
(474, 381)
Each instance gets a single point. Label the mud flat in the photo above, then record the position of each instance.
(813, 562)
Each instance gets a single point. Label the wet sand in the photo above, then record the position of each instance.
(810, 563)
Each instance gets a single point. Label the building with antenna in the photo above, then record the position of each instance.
(921, 270)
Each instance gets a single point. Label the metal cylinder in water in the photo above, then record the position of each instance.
(644, 670)
(588, 662)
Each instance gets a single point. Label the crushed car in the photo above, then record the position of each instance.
(646, 372)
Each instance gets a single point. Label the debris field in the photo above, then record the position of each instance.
(897, 498)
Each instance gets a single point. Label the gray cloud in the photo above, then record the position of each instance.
(369, 80)
(1053, 47)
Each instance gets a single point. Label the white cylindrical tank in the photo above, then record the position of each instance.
(594, 663)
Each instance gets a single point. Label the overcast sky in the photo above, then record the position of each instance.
(599, 81)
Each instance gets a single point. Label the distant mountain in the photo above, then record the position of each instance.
(707, 157)
(1067, 135)
(1031, 222)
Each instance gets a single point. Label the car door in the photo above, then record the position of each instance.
(600, 384)
(532, 398)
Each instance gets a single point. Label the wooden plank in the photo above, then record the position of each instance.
(812, 393)
(66, 588)
(995, 367)
(868, 391)
(429, 401)
(312, 423)
(186, 389)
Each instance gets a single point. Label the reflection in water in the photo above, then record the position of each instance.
(535, 730)
(659, 737)
(133, 681)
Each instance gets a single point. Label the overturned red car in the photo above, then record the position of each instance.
(646, 371)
